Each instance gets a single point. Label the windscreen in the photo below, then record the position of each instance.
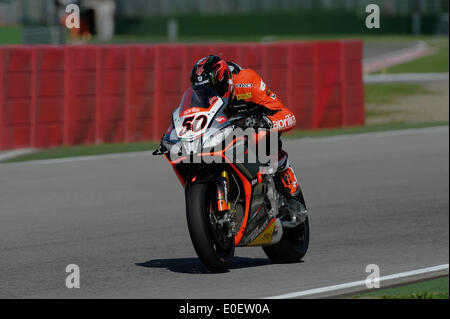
(202, 98)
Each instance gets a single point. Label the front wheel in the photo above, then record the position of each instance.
(292, 246)
(211, 243)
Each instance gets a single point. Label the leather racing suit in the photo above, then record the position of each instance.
(249, 91)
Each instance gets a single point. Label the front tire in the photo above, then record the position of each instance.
(215, 251)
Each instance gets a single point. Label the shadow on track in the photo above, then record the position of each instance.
(194, 266)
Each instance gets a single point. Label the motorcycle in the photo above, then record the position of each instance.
(230, 203)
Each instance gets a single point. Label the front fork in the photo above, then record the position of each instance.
(222, 185)
(223, 204)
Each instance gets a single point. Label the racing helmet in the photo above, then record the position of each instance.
(212, 71)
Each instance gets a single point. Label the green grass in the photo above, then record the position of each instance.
(271, 37)
(245, 24)
(388, 93)
(10, 35)
(430, 289)
(379, 113)
(436, 63)
(274, 22)
(86, 150)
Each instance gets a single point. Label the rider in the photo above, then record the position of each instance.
(245, 88)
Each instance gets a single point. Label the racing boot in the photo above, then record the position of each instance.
(286, 175)
(293, 201)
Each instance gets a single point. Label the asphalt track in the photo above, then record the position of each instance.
(374, 199)
(376, 49)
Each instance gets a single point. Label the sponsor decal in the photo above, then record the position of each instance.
(200, 64)
(271, 94)
(221, 119)
(244, 85)
(257, 231)
(213, 100)
(285, 123)
(202, 82)
(190, 111)
(266, 236)
(244, 96)
(263, 86)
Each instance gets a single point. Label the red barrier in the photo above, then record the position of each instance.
(52, 96)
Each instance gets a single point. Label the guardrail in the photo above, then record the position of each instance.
(66, 95)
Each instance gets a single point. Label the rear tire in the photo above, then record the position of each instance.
(292, 246)
(216, 255)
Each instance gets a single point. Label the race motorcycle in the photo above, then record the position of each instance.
(230, 203)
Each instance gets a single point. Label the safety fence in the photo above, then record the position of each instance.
(67, 95)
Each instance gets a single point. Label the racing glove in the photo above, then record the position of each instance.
(259, 121)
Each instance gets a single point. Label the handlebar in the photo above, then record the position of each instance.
(157, 152)
(161, 149)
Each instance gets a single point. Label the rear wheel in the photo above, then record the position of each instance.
(211, 243)
(294, 242)
(292, 246)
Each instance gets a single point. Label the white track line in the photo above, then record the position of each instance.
(84, 158)
(405, 77)
(5, 155)
(359, 283)
(421, 49)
